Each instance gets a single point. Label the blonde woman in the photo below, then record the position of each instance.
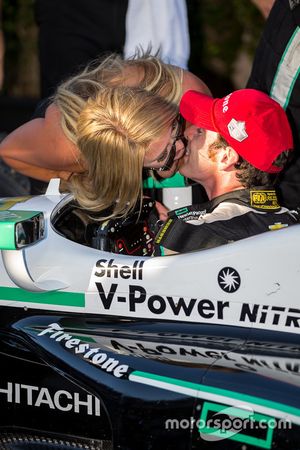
(47, 147)
(119, 132)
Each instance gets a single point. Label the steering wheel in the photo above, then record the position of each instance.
(131, 235)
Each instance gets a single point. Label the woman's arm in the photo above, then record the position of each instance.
(40, 149)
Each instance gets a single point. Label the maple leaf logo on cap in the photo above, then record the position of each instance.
(237, 130)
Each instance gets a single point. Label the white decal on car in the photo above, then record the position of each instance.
(61, 400)
(92, 355)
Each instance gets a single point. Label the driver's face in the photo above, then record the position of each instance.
(197, 163)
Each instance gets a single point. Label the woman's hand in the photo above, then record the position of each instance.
(162, 211)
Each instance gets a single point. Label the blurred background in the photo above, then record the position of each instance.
(223, 38)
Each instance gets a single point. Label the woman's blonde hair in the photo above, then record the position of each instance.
(114, 131)
(144, 71)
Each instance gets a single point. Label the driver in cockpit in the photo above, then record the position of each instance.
(237, 146)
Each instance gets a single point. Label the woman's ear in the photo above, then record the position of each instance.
(229, 157)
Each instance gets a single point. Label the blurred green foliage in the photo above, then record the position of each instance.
(220, 30)
(230, 26)
(18, 24)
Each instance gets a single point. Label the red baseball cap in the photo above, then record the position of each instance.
(253, 124)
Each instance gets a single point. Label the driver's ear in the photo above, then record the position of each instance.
(229, 157)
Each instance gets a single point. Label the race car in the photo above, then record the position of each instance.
(104, 346)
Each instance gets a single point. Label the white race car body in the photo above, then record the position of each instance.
(251, 283)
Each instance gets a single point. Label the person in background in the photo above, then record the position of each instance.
(276, 71)
(72, 33)
(151, 24)
(236, 147)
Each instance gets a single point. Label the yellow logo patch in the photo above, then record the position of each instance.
(264, 199)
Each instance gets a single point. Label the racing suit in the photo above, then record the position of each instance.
(230, 217)
(275, 71)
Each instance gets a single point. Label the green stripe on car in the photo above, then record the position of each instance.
(47, 298)
(211, 393)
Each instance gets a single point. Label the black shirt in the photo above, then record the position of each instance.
(227, 218)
